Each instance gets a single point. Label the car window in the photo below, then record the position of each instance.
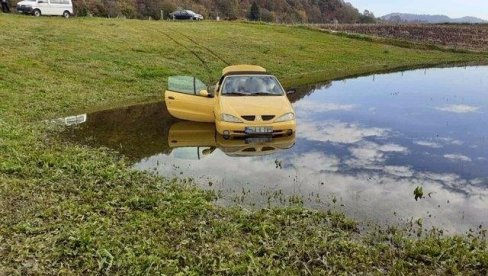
(186, 85)
(65, 2)
(251, 85)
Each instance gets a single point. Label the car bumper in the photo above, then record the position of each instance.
(238, 129)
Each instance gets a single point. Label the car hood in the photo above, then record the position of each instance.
(25, 3)
(255, 105)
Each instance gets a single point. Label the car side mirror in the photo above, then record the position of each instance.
(205, 93)
(291, 91)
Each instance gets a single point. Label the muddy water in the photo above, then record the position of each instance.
(362, 146)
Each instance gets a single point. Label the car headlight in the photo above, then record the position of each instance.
(285, 117)
(230, 118)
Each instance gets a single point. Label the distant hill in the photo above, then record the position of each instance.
(424, 18)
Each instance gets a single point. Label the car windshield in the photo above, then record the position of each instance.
(190, 12)
(256, 85)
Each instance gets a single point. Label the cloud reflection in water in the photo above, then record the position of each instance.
(368, 143)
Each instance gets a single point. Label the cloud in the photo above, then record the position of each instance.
(441, 177)
(428, 144)
(337, 132)
(316, 162)
(393, 148)
(458, 108)
(371, 155)
(370, 192)
(451, 141)
(401, 171)
(316, 107)
(457, 157)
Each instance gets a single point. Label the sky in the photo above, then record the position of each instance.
(452, 8)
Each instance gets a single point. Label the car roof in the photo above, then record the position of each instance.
(242, 68)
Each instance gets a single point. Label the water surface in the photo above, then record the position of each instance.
(362, 146)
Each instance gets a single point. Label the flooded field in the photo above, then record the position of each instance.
(363, 146)
(454, 36)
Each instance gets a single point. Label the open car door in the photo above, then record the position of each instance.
(192, 140)
(187, 99)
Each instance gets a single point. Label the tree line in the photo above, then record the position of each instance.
(279, 11)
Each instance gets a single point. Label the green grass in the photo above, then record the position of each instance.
(71, 209)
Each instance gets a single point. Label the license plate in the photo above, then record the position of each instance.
(258, 130)
(258, 140)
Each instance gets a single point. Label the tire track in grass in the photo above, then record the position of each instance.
(194, 53)
(219, 57)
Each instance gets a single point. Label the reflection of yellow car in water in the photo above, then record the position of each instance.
(196, 140)
(246, 101)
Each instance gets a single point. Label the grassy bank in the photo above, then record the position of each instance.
(72, 209)
(85, 64)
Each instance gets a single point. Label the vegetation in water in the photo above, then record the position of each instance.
(418, 192)
(72, 209)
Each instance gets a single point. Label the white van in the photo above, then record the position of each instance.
(46, 7)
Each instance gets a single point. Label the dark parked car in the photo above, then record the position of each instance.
(185, 15)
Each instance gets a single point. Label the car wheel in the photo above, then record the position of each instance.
(37, 13)
(66, 14)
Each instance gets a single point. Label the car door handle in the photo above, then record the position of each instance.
(171, 98)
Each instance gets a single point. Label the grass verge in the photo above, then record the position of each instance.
(72, 209)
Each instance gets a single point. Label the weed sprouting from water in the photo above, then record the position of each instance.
(418, 193)
(296, 200)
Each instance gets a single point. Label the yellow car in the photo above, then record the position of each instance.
(246, 101)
